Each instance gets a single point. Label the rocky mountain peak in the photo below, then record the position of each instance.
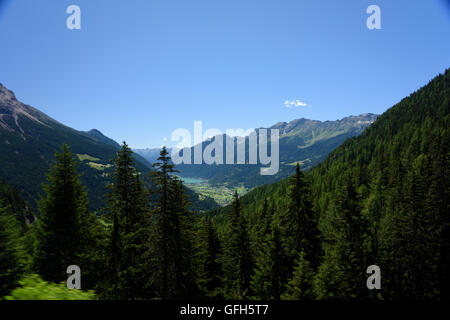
(7, 96)
(11, 108)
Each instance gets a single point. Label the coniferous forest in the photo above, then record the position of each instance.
(381, 198)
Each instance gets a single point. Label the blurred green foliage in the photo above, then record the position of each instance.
(34, 288)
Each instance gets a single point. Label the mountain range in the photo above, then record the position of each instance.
(150, 154)
(28, 142)
(302, 141)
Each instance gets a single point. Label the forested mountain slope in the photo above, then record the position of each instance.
(380, 198)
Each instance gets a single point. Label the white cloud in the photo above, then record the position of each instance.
(294, 103)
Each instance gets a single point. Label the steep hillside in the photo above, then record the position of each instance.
(411, 126)
(399, 169)
(29, 139)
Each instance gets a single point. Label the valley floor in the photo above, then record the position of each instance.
(221, 193)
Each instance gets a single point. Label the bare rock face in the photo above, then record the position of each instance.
(7, 101)
(6, 95)
(11, 111)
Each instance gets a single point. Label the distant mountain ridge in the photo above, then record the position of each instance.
(304, 125)
(96, 134)
(305, 141)
(150, 154)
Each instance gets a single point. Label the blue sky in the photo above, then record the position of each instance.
(137, 70)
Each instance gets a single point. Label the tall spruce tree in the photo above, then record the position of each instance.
(237, 260)
(173, 234)
(298, 223)
(127, 202)
(61, 209)
(164, 245)
(342, 273)
(184, 236)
